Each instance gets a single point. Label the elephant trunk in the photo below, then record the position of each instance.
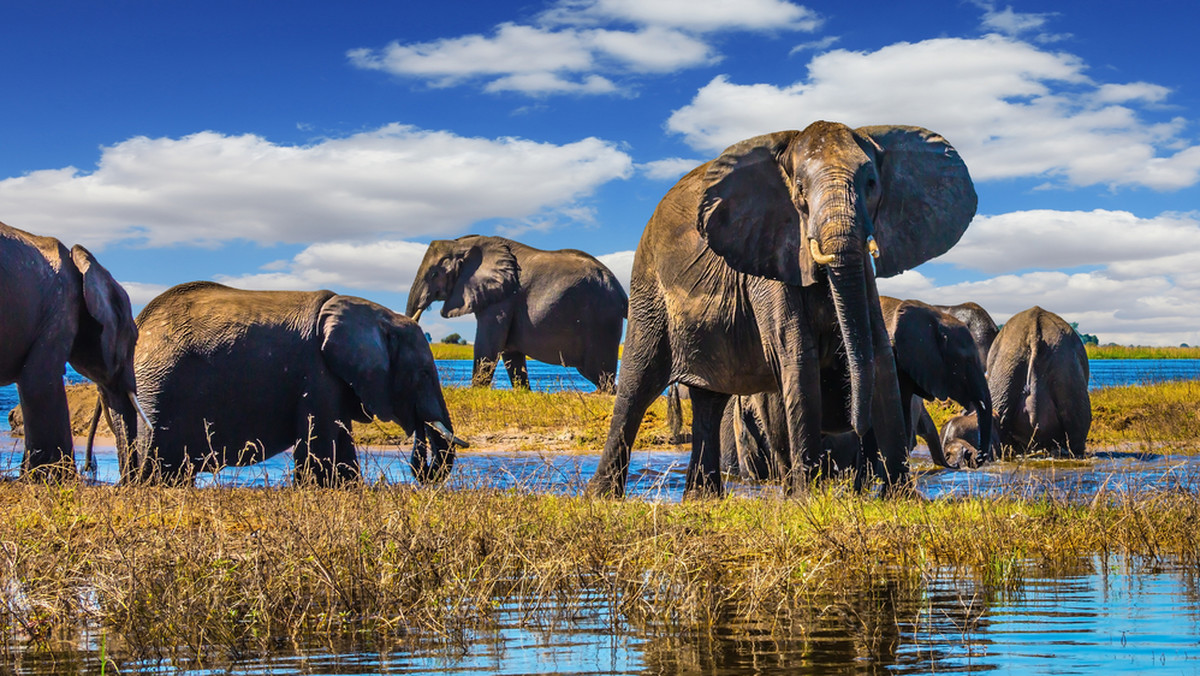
(854, 318)
(418, 297)
(434, 445)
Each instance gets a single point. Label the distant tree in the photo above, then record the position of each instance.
(1184, 345)
(1087, 338)
(454, 339)
(428, 338)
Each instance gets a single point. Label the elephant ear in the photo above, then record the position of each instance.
(747, 214)
(108, 304)
(354, 344)
(488, 274)
(927, 201)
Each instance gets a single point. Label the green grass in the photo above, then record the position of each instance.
(1141, 352)
(448, 351)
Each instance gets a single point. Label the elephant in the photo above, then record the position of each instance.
(1038, 375)
(232, 377)
(961, 439)
(561, 307)
(753, 274)
(936, 358)
(754, 443)
(979, 322)
(61, 306)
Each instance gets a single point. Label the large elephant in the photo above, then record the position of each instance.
(937, 358)
(60, 306)
(1038, 373)
(754, 272)
(231, 377)
(979, 322)
(561, 307)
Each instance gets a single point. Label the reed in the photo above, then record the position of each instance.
(207, 575)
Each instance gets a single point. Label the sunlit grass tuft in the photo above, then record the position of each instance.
(1141, 352)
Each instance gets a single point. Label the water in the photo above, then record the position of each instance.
(1111, 615)
(551, 378)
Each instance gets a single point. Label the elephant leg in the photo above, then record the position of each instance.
(491, 334)
(514, 363)
(326, 457)
(645, 374)
(704, 468)
(48, 442)
(888, 409)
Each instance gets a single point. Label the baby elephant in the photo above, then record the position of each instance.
(1038, 376)
(960, 440)
(231, 377)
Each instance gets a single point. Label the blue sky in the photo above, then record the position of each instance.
(322, 145)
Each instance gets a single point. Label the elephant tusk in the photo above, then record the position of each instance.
(814, 248)
(141, 413)
(448, 435)
(417, 315)
(872, 246)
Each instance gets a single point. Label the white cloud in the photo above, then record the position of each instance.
(1145, 288)
(702, 16)
(1009, 107)
(207, 188)
(671, 168)
(1013, 23)
(388, 265)
(621, 264)
(579, 46)
(1049, 239)
(141, 293)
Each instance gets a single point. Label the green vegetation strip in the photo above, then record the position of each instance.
(1141, 352)
(207, 574)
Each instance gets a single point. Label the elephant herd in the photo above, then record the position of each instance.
(753, 285)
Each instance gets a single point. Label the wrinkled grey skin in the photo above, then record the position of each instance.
(978, 321)
(937, 358)
(560, 307)
(232, 377)
(59, 306)
(753, 273)
(754, 439)
(960, 439)
(1038, 373)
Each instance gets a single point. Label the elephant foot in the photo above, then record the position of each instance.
(602, 486)
(704, 492)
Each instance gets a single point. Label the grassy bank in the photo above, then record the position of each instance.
(448, 351)
(1141, 352)
(214, 573)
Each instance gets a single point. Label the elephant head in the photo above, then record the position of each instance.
(104, 346)
(803, 206)
(938, 355)
(384, 358)
(468, 273)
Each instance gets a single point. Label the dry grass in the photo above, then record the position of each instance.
(534, 421)
(212, 574)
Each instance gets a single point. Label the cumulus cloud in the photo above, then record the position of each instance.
(669, 169)
(387, 265)
(1013, 23)
(1011, 108)
(141, 293)
(207, 188)
(1142, 286)
(621, 264)
(578, 46)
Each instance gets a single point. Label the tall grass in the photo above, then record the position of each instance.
(212, 574)
(449, 351)
(1141, 352)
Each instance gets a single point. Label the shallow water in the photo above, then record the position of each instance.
(551, 378)
(1109, 617)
